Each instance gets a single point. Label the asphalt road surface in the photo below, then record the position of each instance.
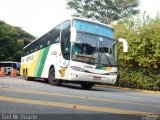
(37, 100)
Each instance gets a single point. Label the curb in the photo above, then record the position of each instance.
(129, 89)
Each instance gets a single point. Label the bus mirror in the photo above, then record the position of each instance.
(73, 34)
(125, 44)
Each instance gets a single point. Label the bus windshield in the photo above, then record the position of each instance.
(93, 49)
(94, 44)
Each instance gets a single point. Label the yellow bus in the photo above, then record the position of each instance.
(77, 50)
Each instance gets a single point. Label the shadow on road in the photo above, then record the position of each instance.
(77, 86)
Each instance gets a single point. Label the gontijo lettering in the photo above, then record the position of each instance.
(29, 58)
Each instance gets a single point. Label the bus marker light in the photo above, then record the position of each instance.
(74, 75)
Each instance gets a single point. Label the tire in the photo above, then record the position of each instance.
(9, 73)
(25, 75)
(87, 85)
(51, 78)
(30, 78)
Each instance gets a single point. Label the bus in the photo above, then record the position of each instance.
(76, 50)
(10, 64)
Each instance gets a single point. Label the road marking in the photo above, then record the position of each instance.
(73, 96)
(72, 106)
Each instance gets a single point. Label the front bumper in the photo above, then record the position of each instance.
(91, 77)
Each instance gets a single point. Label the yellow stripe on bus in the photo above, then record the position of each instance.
(31, 66)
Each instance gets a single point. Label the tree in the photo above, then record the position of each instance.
(12, 41)
(143, 37)
(104, 11)
(140, 67)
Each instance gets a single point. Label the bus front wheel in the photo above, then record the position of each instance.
(87, 85)
(51, 78)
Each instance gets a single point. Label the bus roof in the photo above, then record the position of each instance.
(71, 18)
(93, 21)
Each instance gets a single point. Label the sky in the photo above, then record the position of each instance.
(39, 16)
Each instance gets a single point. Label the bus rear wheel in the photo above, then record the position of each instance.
(25, 74)
(51, 78)
(87, 85)
(26, 77)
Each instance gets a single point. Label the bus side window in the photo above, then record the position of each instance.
(27, 52)
(41, 46)
(48, 38)
(48, 42)
(65, 39)
(57, 40)
(32, 48)
(55, 33)
(36, 46)
(24, 52)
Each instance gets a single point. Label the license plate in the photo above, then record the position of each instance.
(96, 78)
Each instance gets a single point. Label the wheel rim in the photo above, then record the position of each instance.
(52, 77)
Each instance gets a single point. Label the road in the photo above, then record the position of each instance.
(20, 99)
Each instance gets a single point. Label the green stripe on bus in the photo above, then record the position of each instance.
(41, 62)
(38, 63)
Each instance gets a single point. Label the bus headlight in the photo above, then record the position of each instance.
(77, 69)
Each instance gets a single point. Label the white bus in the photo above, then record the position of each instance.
(77, 50)
(10, 64)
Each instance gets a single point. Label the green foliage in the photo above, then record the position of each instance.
(135, 78)
(12, 41)
(140, 68)
(104, 11)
